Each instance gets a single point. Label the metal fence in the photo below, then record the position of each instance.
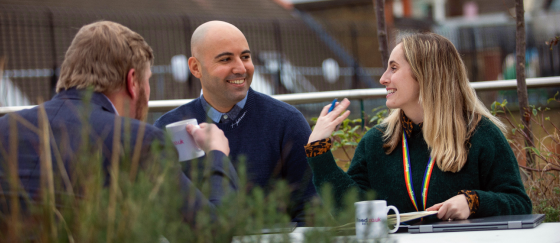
(288, 54)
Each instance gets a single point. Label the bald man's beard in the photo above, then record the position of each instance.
(142, 105)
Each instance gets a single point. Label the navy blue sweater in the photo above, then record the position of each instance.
(270, 135)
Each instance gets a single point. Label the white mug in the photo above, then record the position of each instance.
(184, 142)
(371, 219)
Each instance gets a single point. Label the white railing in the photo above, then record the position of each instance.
(356, 94)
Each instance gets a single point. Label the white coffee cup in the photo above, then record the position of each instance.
(371, 219)
(184, 142)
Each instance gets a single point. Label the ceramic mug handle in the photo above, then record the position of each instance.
(398, 218)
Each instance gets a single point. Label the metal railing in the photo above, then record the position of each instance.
(356, 94)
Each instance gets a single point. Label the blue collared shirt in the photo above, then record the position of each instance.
(216, 116)
(114, 108)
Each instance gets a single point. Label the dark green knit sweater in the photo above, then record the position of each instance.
(491, 170)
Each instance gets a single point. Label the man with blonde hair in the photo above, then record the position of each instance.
(114, 62)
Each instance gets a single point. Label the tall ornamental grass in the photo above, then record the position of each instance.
(140, 202)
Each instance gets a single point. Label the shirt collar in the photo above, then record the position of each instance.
(114, 109)
(215, 115)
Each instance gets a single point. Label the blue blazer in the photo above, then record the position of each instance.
(66, 114)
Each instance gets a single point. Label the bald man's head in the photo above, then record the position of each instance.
(221, 59)
(210, 29)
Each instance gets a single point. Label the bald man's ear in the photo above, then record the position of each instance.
(195, 67)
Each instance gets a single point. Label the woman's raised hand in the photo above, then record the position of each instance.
(327, 122)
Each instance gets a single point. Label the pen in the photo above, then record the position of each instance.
(332, 105)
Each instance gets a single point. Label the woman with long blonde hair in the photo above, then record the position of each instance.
(439, 149)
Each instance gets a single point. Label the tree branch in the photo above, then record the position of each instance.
(539, 170)
(379, 7)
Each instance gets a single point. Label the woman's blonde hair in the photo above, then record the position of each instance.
(101, 55)
(451, 108)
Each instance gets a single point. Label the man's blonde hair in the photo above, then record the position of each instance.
(451, 108)
(101, 55)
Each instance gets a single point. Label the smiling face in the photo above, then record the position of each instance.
(403, 91)
(222, 62)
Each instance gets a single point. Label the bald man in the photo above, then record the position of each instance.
(269, 135)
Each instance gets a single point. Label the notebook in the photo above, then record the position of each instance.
(525, 221)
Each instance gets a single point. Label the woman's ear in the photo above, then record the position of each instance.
(131, 83)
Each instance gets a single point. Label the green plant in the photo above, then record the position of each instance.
(349, 133)
(542, 181)
(142, 205)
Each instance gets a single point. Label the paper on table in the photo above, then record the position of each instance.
(391, 219)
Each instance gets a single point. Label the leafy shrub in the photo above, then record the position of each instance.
(541, 177)
(349, 133)
(143, 205)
